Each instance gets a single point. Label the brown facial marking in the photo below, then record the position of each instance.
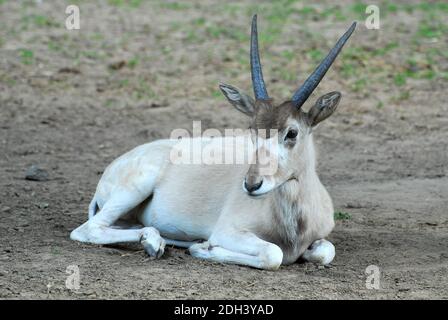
(268, 116)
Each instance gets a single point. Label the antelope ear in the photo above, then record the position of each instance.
(238, 99)
(324, 107)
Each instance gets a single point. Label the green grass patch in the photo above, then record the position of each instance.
(380, 104)
(390, 7)
(175, 5)
(315, 55)
(126, 3)
(6, 79)
(444, 75)
(359, 85)
(231, 8)
(166, 50)
(288, 54)
(91, 54)
(402, 96)
(123, 83)
(430, 30)
(288, 75)
(441, 6)
(400, 79)
(199, 22)
(54, 46)
(359, 9)
(43, 21)
(26, 56)
(272, 18)
(96, 36)
(386, 49)
(191, 36)
(143, 90)
(39, 21)
(133, 62)
(405, 95)
(216, 94)
(306, 11)
(109, 103)
(216, 32)
(332, 11)
(415, 70)
(340, 215)
(349, 69)
(339, 15)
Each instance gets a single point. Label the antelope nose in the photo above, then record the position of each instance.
(253, 187)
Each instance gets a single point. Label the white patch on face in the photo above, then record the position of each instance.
(272, 155)
(282, 153)
(268, 155)
(268, 185)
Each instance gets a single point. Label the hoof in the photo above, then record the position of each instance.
(153, 243)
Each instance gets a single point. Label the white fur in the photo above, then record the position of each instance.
(321, 252)
(185, 204)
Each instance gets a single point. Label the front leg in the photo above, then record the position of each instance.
(321, 252)
(240, 248)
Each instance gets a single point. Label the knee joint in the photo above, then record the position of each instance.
(271, 257)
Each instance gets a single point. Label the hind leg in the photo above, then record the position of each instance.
(99, 228)
(321, 252)
(180, 243)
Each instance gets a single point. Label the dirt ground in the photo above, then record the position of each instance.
(72, 101)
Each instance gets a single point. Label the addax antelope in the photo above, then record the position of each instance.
(228, 213)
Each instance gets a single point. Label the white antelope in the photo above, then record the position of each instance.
(227, 213)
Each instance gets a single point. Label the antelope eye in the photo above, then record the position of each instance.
(292, 134)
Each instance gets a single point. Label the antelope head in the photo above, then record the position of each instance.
(281, 133)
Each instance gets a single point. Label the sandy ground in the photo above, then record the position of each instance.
(72, 101)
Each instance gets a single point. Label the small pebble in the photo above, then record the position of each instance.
(42, 205)
(35, 173)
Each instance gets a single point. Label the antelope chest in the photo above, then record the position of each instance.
(290, 237)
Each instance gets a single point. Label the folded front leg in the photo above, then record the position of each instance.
(240, 248)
